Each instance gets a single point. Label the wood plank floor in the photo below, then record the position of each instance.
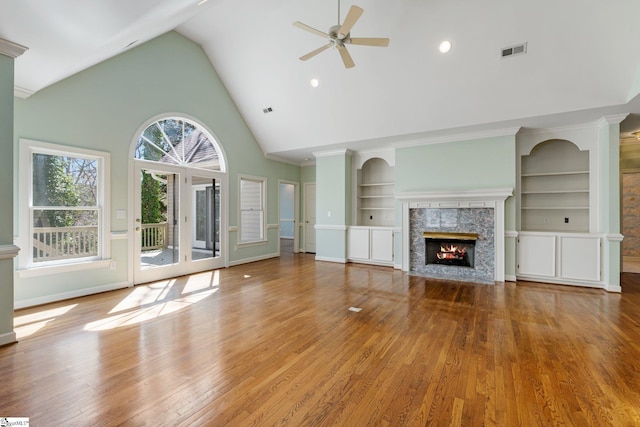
(274, 343)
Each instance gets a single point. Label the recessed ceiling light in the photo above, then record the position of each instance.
(314, 82)
(445, 46)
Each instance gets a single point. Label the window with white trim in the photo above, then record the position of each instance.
(63, 197)
(252, 207)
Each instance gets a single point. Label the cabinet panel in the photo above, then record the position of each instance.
(382, 245)
(580, 258)
(359, 243)
(537, 255)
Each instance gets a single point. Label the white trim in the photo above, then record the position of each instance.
(9, 251)
(329, 153)
(276, 158)
(611, 120)
(469, 136)
(331, 259)
(253, 259)
(8, 338)
(63, 268)
(240, 245)
(310, 162)
(510, 278)
(11, 49)
(332, 227)
(454, 198)
(68, 295)
(233, 228)
(20, 92)
(512, 234)
(560, 281)
(272, 226)
(616, 237)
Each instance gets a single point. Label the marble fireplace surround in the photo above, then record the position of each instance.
(493, 198)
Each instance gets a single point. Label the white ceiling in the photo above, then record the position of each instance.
(582, 62)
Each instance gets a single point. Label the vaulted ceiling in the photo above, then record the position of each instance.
(582, 61)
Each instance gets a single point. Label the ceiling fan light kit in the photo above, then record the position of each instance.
(340, 35)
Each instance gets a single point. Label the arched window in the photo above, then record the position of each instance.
(179, 141)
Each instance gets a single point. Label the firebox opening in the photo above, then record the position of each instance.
(456, 249)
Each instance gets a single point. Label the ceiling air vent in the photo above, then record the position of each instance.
(267, 110)
(513, 50)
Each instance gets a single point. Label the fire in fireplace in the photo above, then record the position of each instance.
(457, 249)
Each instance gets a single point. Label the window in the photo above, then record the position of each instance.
(252, 218)
(179, 141)
(64, 204)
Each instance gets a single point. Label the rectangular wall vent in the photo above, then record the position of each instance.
(267, 110)
(513, 50)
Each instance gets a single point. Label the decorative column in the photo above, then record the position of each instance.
(609, 203)
(8, 52)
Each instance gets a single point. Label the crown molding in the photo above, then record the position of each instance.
(611, 120)
(329, 153)
(281, 159)
(10, 49)
(468, 136)
(21, 92)
(8, 251)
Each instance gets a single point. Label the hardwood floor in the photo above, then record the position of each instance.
(274, 343)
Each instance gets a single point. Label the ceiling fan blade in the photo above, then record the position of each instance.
(368, 41)
(311, 29)
(352, 17)
(346, 58)
(315, 52)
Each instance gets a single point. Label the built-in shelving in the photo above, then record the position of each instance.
(376, 193)
(554, 188)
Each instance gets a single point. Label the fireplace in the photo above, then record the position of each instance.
(456, 211)
(454, 249)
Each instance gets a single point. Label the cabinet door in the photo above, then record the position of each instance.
(382, 245)
(359, 243)
(580, 258)
(537, 255)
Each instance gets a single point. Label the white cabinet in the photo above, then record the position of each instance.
(373, 245)
(566, 258)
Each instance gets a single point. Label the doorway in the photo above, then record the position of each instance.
(310, 217)
(177, 221)
(288, 217)
(179, 200)
(630, 219)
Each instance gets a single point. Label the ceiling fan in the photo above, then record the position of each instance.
(340, 35)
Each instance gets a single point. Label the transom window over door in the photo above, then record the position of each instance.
(178, 141)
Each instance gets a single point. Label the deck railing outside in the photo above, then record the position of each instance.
(154, 236)
(53, 243)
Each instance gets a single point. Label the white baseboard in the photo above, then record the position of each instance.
(8, 338)
(397, 266)
(68, 295)
(330, 259)
(254, 259)
(617, 289)
(509, 278)
(566, 282)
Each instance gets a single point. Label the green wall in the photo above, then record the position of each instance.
(103, 108)
(333, 205)
(463, 165)
(6, 211)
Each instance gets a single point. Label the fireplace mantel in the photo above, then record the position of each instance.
(455, 198)
(493, 198)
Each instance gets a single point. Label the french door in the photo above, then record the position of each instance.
(178, 221)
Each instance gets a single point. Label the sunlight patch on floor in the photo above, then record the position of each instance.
(147, 313)
(198, 282)
(145, 294)
(29, 324)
